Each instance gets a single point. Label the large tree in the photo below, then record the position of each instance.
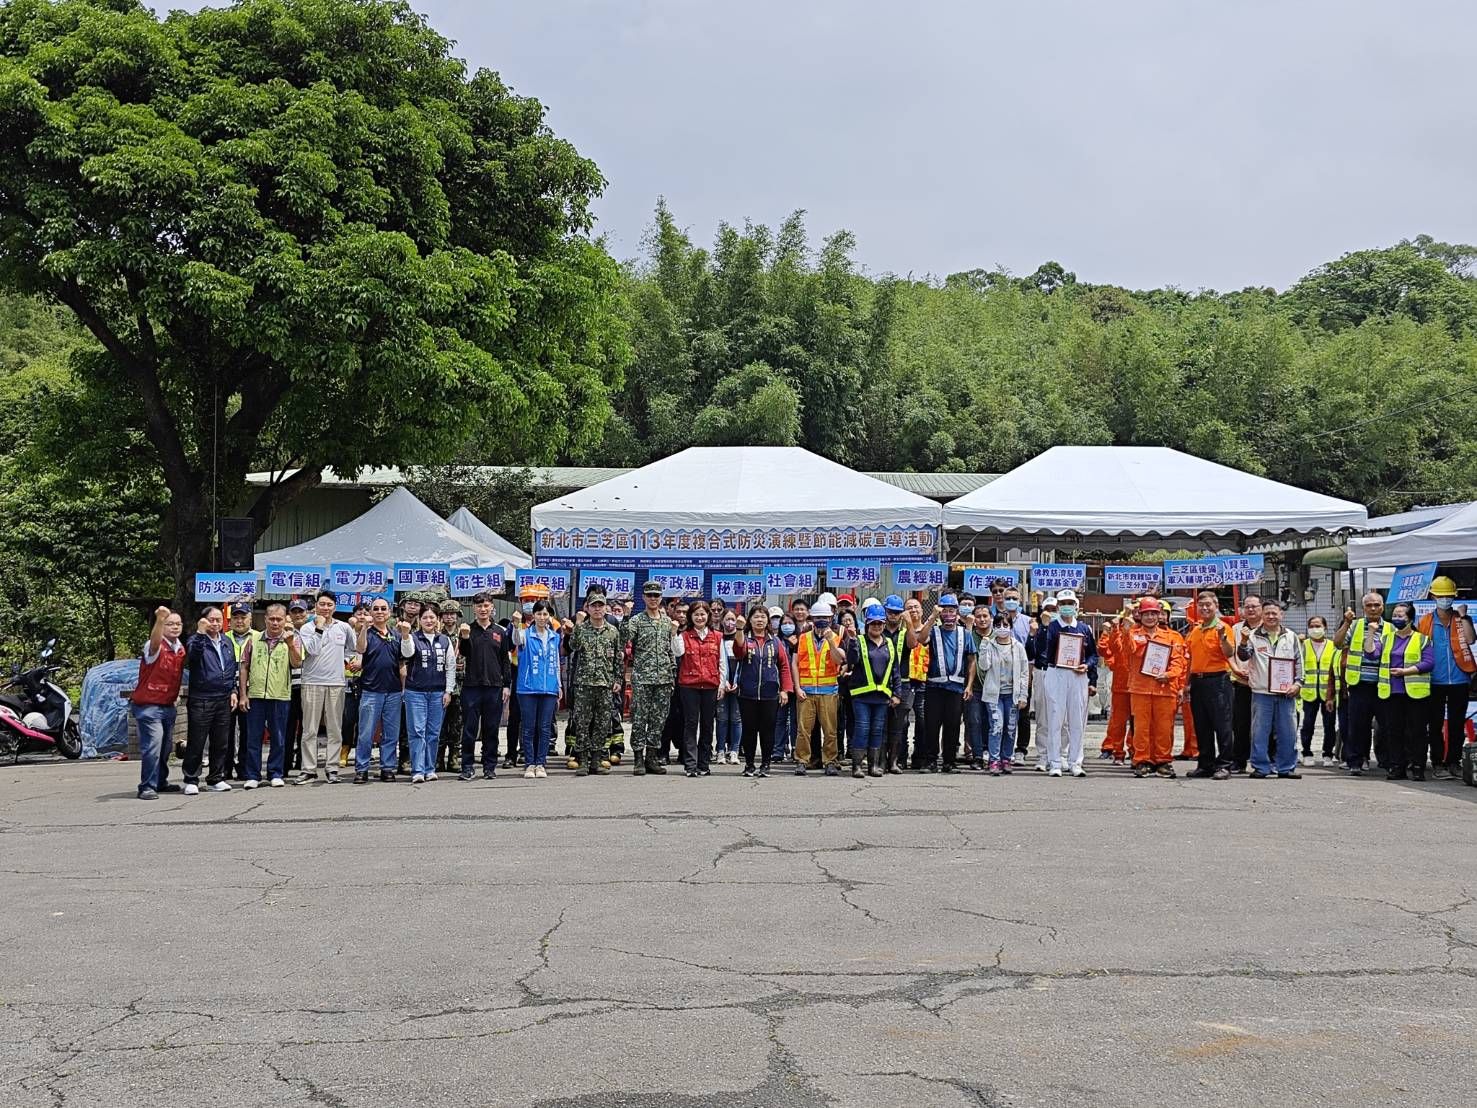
(303, 235)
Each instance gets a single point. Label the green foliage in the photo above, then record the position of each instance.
(500, 498)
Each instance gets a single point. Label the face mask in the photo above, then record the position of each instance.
(1002, 635)
(1068, 611)
(729, 626)
(1316, 633)
(822, 624)
(966, 609)
(528, 609)
(1012, 605)
(1444, 603)
(611, 617)
(787, 629)
(1399, 621)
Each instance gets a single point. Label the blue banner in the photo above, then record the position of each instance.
(225, 588)
(1411, 582)
(469, 582)
(410, 576)
(555, 580)
(359, 577)
(1241, 569)
(1204, 573)
(293, 579)
(852, 574)
(736, 547)
(1052, 576)
(729, 587)
(619, 583)
(924, 575)
(1132, 580)
(677, 582)
(791, 579)
(977, 581)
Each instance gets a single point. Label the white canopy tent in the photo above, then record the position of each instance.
(1452, 539)
(463, 520)
(1146, 492)
(739, 487)
(398, 529)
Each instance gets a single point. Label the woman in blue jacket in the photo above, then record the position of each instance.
(539, 687)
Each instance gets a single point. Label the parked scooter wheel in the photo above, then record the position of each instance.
(1469, 763)
(10, 746)
(69, 742)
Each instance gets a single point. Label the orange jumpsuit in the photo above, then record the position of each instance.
(1116, 649)
(1192, 745)
(1154, 701)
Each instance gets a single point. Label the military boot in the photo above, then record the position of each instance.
(654, 763)
(638, 764)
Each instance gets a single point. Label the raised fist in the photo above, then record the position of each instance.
(464, 631)
(403, 627)
(162, 612)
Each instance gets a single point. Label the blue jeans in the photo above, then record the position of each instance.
(271, 714)
(979, 726)
(155, 730)
(423, 715)
(1272, 714)
(730, 725)
(870, 730)
(1002, 732)
(537, 712)
(377, 708)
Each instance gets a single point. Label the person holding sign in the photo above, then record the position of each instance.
(1364, 640)
(1155, 674)
(1450, 632)
(1067, 651)
(1405, 682)
(1275, 675)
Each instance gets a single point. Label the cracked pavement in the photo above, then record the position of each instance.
(723, 943)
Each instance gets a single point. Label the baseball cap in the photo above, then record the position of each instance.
(651, 588)
(1066, 596)
(298, 604)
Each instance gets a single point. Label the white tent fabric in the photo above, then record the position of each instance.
(398, 529)
(1447, 540)
(463, 520)
(1143, 490)
(739, 486)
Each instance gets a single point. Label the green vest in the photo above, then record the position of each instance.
(874, 685)
(1417, 687)
(271, 675)
(1317, 675)
(1356, 647)
(237, 644)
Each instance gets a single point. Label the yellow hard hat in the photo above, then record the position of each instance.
(1166, 605)
(1443, 586)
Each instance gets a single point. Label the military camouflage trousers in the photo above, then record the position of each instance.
(649, 707)
(589, 718)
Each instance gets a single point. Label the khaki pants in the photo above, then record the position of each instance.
(817, 707)
(322, 704)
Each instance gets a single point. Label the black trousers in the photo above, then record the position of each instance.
(1023, 727)
(757, 717)
(236, 756)
(943, 714)
(1240, 726)
(699, 709)
(1365, 709)
(451, 735)
(482, 711)
(1210, 708)
(1312, 709)
(672, 730)
(294, 753)
(208, 720)
(351, 718)
(1404, 728)
(897, 726)
(1446, 724)
(515, 725)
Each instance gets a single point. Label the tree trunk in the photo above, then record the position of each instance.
(110, 648)
(188, 543)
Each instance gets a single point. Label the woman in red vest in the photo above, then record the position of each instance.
(152, 702)
(696, 649)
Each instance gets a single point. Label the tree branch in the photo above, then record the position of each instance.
(279, 493)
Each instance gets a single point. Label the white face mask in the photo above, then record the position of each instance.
(1316, 633)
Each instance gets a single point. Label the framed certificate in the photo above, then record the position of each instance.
(1156, 659)
(1069, 651)
(1280, 673)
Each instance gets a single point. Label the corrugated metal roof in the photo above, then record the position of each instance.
(937, 486)
(1401, 522)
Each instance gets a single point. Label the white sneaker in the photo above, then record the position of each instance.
(431, 776)
(1078, 771)
(1018, 759)
(1041, 768)
(539, 771)
(251, 784)
(1318, 760)
(191, 790)
(221, 787)
(418, 779)
(1054, 771)
(529, 773)
(277, 782)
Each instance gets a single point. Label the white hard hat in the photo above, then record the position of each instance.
(826, 598)
(820, 608)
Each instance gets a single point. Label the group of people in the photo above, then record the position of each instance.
(812, 685)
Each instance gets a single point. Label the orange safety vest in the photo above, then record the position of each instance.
(818, 670)
(1463, 658)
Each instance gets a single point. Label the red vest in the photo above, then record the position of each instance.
(698, 666)
(158, 681)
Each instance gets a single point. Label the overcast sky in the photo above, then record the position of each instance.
(1196, 144)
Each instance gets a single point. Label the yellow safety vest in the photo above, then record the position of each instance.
(271, 676)
(1417, 687)
(1319, 669)
(1356, 647)
(873, 685)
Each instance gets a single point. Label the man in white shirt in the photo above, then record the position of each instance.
(327, 643)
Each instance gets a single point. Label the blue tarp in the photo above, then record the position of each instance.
(104, 716)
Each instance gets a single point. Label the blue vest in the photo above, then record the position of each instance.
(538, 664)
(759, 673)
(426, 668)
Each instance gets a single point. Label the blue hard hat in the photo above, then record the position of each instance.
(894, 603)
(874, 613)
(948, 600)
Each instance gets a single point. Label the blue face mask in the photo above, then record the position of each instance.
(1067, 611)
(528, 609)
(966, 609)
(1012, 605)
(787, 629)
(1444, 603)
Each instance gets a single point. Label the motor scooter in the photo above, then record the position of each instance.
(36, 714)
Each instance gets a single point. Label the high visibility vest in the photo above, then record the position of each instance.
(1356, 647)
(238, 643)
(872, 684)
(918, 663)
(817, 668)
(1319, 669)
(271, 675)
(1417, 687)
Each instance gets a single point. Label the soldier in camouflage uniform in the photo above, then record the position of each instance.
(653, 673)
(595, 666)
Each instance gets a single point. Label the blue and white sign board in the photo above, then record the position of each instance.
(469, 582)
(791, 579)
(978, 581)
(225, 588)
(1200, 574)
(359, 577)
(921, 575)
(555, 580)
(617, 583)
(730, 547)
(853, 573)
(293, 579)
(1411, 582)
(1132, 580)
(730, 587)
(1052, 576)
(677, 582)
(1241, 569)
(410, 576)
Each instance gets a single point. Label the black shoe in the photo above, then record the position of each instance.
(657, 766)
(1417, 775)
(509, 763)
(691, 773)
(1395, 775)
(466, 775)
(1356, 771)
(948, 767)
(171, 787)
(748, 771)
(800, 770)
(1200, 773)
(1294, 774)
(894, 769)
(387, 775)
(361, 778)
(763, 770)
(1258, 775)
(489, 774)
(704, 771)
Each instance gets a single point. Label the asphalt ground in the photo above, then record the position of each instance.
(724, 943)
